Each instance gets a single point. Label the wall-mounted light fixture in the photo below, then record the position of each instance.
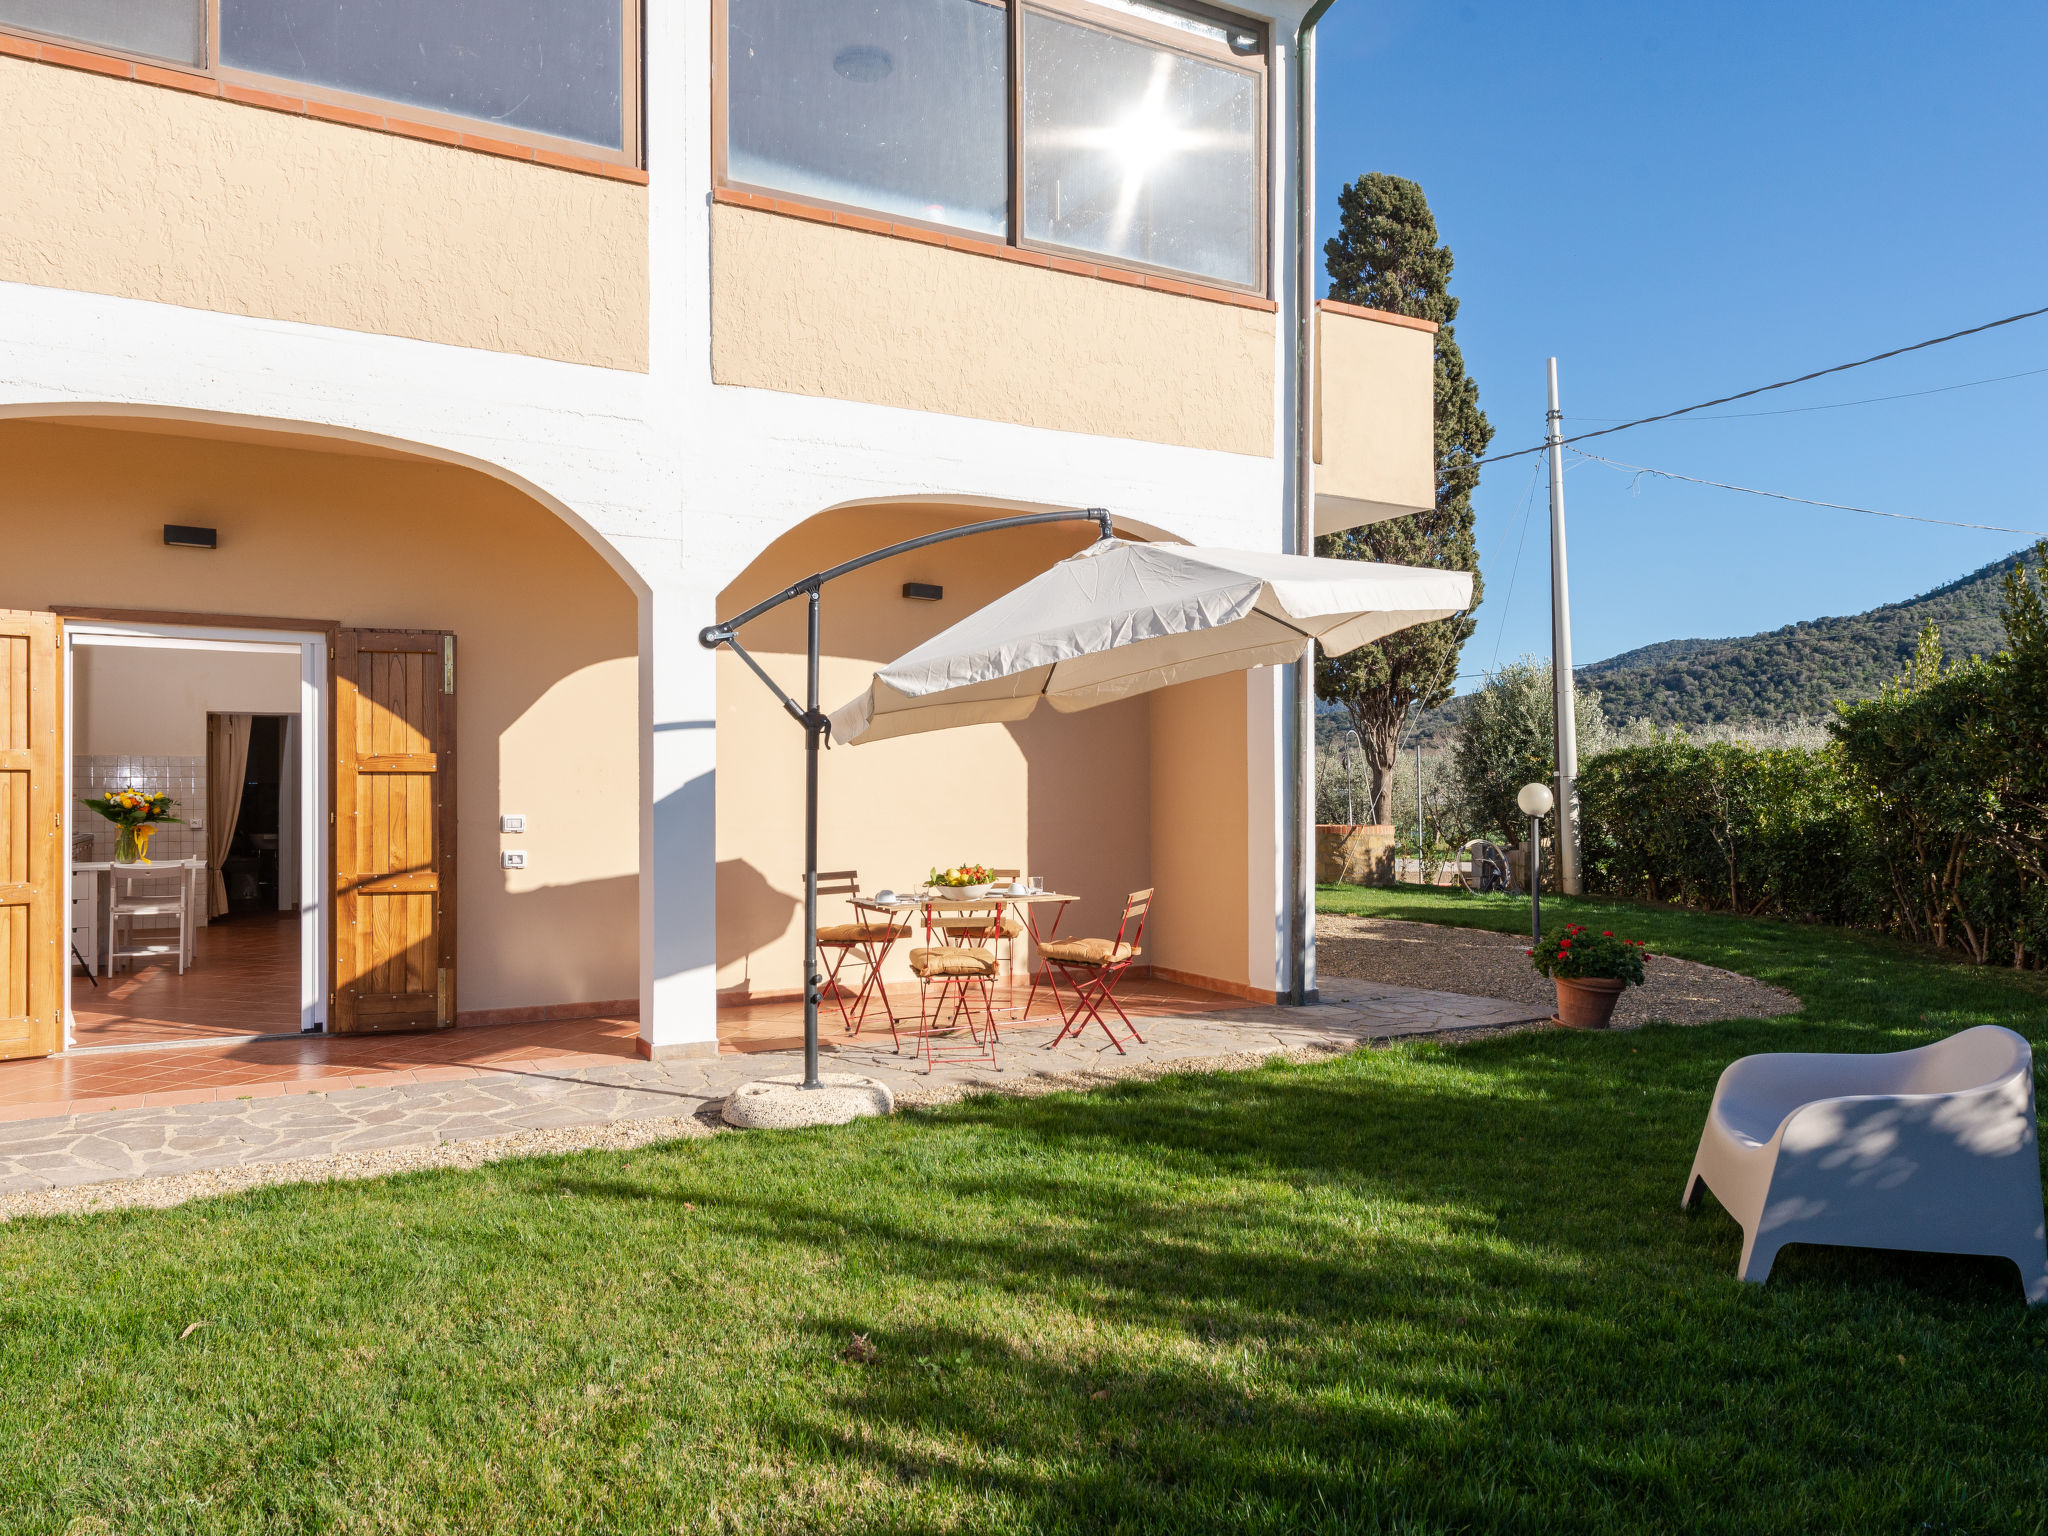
(923, 591)
(185, 536)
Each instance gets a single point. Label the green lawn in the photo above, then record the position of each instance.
(1425, 1289)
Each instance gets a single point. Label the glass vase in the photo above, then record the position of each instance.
(133, 846)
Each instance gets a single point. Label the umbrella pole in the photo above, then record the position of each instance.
(812, 731)
(816, 724)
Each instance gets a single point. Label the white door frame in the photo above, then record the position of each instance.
(314, 875)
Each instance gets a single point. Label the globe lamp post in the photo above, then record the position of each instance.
(1535, 802)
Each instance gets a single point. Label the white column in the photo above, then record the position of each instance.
(678, 844)
(1267, 807)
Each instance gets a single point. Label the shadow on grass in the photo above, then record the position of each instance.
(1420, 1289)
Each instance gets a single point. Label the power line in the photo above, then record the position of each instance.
(1529, 495)
(1762, 389)
(1805, 501)
(1839, 405)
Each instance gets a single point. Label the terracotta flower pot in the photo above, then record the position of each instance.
(1586, 1002)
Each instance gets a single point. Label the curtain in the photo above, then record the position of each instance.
(227, 765)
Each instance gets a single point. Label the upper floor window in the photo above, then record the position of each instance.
(174, 30)
(1129, 131)
(896, 105)
(548, 72)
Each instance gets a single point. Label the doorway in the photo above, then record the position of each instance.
(222, 934)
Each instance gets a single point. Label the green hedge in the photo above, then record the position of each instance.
(1727, 828)
(1926, 816)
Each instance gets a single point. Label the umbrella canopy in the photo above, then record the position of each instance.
(1123, 618)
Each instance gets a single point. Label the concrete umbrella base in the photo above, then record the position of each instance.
(781, 1102)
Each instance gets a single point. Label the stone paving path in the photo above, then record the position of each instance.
(352, 1124)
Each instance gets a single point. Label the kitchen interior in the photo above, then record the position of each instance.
(202, 941)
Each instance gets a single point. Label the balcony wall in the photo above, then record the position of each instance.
(1375, 416)
(114, 186)
(816, 308)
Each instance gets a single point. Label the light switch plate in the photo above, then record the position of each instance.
(511, 823)
(515, 858)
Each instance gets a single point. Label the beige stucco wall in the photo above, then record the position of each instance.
(1062, 796)
(547, 691)
(129, 702)
(1200, 812)
(1375, 437)
(110, 186)
(818, 309)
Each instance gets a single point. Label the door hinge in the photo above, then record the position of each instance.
(447, 663)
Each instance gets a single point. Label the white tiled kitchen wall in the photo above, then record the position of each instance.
(184, 778)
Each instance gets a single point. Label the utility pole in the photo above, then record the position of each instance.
(1567, 823)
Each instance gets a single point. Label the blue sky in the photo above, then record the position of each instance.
(1680, 202)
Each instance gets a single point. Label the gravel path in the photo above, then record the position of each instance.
(1482, 964)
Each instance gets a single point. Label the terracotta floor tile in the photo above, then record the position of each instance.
(180, 1096)
(243, 980)
(33, 1110)
(254, 1091)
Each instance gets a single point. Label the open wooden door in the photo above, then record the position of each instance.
(394, 831)
(35, 938)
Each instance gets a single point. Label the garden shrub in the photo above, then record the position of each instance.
(1926, 815)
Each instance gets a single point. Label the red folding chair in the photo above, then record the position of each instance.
(866, 939)
(958, 969)
(1093, 967)
(975, 928)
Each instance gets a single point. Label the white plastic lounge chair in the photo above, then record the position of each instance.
(1932, 1150)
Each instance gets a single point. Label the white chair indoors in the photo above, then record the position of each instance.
(167, 893)
(1932, 1150)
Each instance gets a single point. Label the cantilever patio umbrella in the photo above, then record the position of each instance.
(1119, 619)
(1115, 620)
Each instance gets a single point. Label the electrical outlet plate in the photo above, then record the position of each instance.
(512, 823)
(515, 858)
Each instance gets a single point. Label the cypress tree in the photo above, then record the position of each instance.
(1385, 255)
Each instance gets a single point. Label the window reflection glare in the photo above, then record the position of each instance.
(1138, 152)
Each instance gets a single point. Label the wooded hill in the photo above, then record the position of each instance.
(1797, 672)
(1794, 673)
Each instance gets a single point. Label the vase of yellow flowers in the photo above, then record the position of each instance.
(137, 813)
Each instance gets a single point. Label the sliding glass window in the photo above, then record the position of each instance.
(548, 66)
(1122, 130)
(171, 30)
(900, 106)
(1139, 153)
(544, 72)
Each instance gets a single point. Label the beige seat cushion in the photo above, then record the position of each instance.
(1010, 927)
(860, 933)
(1089, 951)
(949, 961)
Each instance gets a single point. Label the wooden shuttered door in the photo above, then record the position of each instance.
(394, 830)
(34, 933)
